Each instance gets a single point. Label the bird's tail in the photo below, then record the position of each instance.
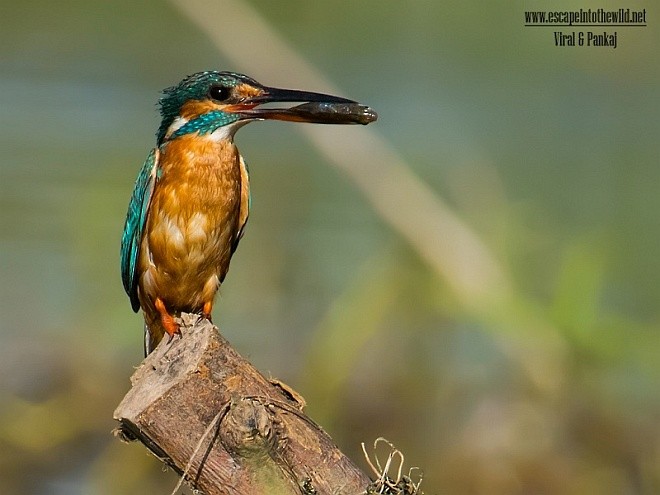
(153, 334)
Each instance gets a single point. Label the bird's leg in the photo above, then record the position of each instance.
(169, 323)
(206, 311)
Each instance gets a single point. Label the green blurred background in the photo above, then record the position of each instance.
(549, 155)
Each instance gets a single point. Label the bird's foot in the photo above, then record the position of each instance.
(170, 325)
(206, 311)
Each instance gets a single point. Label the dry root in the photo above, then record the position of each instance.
(395, 483)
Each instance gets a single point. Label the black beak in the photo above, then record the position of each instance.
(316, 108)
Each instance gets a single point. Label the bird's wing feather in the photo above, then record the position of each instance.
(136, 219)
(244, 208)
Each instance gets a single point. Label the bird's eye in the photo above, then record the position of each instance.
(220, 93)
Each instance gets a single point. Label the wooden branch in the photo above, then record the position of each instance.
(210, 415)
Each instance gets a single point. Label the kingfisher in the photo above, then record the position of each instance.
(191, 199)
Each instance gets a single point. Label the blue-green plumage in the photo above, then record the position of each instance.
(136, 219)
(206, 123)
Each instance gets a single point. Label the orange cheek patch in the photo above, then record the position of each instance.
(195, 108)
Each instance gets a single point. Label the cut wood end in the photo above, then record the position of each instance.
(167, 365)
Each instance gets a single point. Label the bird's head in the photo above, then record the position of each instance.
(212, 101)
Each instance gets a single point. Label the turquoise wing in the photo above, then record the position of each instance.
(136, 219)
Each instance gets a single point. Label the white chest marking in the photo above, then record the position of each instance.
(176, 124)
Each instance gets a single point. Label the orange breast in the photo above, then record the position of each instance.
(194, 218)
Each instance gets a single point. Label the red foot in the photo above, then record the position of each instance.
(206, 311)
(169, 323)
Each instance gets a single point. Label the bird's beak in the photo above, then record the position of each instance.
(316, 108)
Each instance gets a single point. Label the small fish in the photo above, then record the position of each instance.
(345, 112)
(337, 113)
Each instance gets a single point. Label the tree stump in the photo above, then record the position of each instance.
(210, 415)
